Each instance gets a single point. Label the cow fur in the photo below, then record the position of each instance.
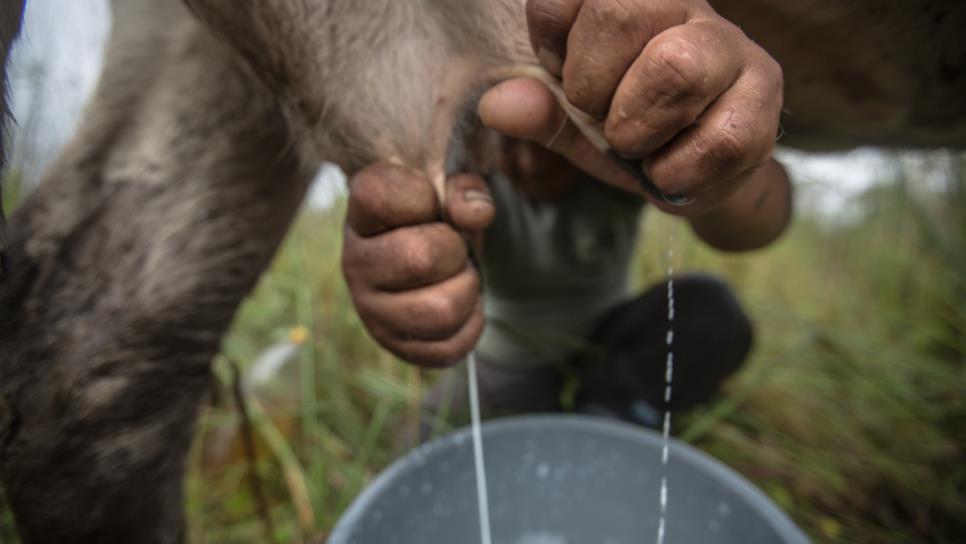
(126, 266)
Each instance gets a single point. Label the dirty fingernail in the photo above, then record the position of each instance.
(477, 196)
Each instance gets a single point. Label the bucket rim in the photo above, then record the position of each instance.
(601, 426)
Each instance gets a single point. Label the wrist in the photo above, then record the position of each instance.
(753, 216)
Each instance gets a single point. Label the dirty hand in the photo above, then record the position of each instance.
(675, 85)
(408, 270)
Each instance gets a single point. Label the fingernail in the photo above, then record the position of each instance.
(678, 200)
(477, 196)
(550, 60)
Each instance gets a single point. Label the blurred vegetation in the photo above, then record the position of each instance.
(11, 191)
(851, 414)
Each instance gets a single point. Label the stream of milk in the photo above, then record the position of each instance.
(480, 466)
(668, 381)
(481, 494)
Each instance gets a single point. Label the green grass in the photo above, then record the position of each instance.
(851, 413)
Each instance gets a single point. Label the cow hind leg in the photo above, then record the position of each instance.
(127, 264)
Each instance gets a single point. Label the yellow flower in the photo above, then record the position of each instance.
(830, 528)
(299, 335)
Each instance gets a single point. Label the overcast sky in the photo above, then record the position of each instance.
(56, 63)
(53, 69)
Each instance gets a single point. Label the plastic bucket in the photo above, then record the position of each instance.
(562, 479)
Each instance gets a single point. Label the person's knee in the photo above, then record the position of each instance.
(712, 338)
(703, 305)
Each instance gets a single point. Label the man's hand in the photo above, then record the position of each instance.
(675, 85)
(408, 271)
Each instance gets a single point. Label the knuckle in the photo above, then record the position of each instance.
(442, 312)
(775, 72)
(383, 196)
(363, 198)
(726, 150)
(771, 77)
(626, 138)
(449, 242)
(367, 188)
(633, 137)
(677, 64)
(619, 16)
(418, 256)
(444, 249)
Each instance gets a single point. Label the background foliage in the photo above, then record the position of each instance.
(851, 413)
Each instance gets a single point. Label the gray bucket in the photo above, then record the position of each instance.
(562, 480)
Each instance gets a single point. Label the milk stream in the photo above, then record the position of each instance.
(668, 381)
(481, 495)
(480, 467)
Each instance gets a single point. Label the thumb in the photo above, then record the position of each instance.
(526, 109)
